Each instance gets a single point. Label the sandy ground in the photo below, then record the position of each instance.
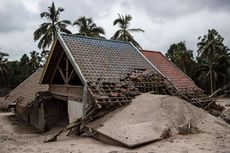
(19, 137)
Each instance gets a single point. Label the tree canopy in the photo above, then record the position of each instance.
(181, 56)
(46, 33)
(210, 47)
(88, 28)
(12, 73)
(211, 69)
(124, 32)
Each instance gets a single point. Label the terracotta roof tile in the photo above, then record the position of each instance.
(169, 70)
(26, 91)
(107, 59)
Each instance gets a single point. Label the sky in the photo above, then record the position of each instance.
(164, 22)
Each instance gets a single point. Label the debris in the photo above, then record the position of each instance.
(70, 126)
(188, 129)
(166, 134)
(226, 115)
(106, 96)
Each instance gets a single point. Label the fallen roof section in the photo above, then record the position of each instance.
(25, 93)
(187, 89)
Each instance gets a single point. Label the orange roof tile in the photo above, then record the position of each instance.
(169, 70)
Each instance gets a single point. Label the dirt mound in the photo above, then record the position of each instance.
(146, 119)
(214, 136)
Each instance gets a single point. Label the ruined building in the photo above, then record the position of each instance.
(85, 74)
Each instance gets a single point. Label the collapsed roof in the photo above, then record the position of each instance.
(97, 60)
(101, 65)
(25, 93)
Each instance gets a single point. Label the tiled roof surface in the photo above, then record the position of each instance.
(169, 70)
(107, 59)
(3, 103)
(26, 91)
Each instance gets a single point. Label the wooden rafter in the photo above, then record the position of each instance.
(71, 75)
(62, 74)
(67, 69)
(56, 67)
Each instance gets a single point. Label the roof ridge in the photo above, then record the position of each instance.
(95, 38)
(150, 51)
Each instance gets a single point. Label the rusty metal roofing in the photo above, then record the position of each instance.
(170, 70)
(107, 59)
(25, 93)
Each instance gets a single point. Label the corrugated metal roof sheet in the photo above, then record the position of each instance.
(107, 59)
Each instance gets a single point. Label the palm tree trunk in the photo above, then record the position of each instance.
(211, 75)
(54, 31)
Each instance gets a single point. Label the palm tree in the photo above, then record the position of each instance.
(218, 70)
(46, 33)
(124, 34)
(35, 61)
(4, 68)
(223, 59)
(181, 57)
(88, 28)
(208, 47)
(44, 56)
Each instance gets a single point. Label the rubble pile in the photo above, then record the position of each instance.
(106, 96)
(195, 97)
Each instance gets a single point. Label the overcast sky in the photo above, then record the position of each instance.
(165, 22)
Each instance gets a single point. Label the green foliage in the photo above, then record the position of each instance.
(35, 61)
(15, 72)
(44, 56)
(181, 57)
(46, 33)
(210, 49)
(211, 69)
(124, 33)
(88, 28)
(220, 70)
(4, 72)
(4, 69)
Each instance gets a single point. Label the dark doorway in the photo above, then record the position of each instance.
(56, 113)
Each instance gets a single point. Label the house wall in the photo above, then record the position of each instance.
(75, 110)
(22, 112)
(70, 91)
(67, 105)
(35, 116)
(73, 95)
(49, 113)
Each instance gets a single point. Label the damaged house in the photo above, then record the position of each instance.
(87, 76)
(184, 84)
(24, 95)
